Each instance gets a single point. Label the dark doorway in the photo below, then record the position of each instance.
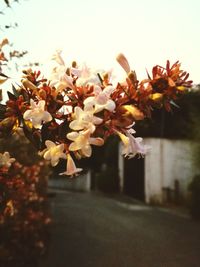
(134, 178)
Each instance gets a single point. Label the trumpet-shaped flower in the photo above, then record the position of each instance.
(71, 167)
(57, 57)
(132, 145)
(85, 76)
(82, 141)
(37, 114)
(53, 152)
(59, 79)
(101, 99)
(84, 119)
(6, 160)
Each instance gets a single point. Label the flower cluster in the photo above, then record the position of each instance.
(77, 108)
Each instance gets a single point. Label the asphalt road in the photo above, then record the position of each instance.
(92, 230)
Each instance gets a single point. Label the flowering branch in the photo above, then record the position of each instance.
(77, 108)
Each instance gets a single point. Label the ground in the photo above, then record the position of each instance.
(90, 229)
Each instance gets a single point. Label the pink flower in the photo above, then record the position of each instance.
(59, 79)
(132, 145)
(84, 119)
(85, 76)
(71, 167)
(101, 99)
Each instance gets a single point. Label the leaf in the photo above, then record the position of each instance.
(15, 92)
(11, 96)
(2, 107)
(174, 104)
(2, 111)
(3, 75)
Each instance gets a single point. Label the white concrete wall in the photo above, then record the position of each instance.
(168, 160)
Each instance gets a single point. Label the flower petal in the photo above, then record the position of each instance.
(49, 144)
(41, 104)
(27, 114)
(96, 141)
(72, 136)
(87, 150)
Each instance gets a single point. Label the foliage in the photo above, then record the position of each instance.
(23, 214)
(181, 123)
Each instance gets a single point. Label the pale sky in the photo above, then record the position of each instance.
(148, 32)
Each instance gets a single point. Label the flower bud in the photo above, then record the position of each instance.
(134, 111)
(28, 85)
(42, 94)
(121, 59)
(132, 76)
(74, 64)
(157, 97)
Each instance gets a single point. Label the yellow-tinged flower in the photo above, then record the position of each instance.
(6, 160)
(71, 167)
(37, 114)
(134, 111)
(53, 152)
(124, 138)
(82, 141)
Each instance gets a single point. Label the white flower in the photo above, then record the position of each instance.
(85, 76)
(59, 79)
(6, 160)
(71, 167)
(57, 57)
(84, 119)
(82, 141)
(132, 145)
(101, 99)
(37, 114)
(53, 152)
